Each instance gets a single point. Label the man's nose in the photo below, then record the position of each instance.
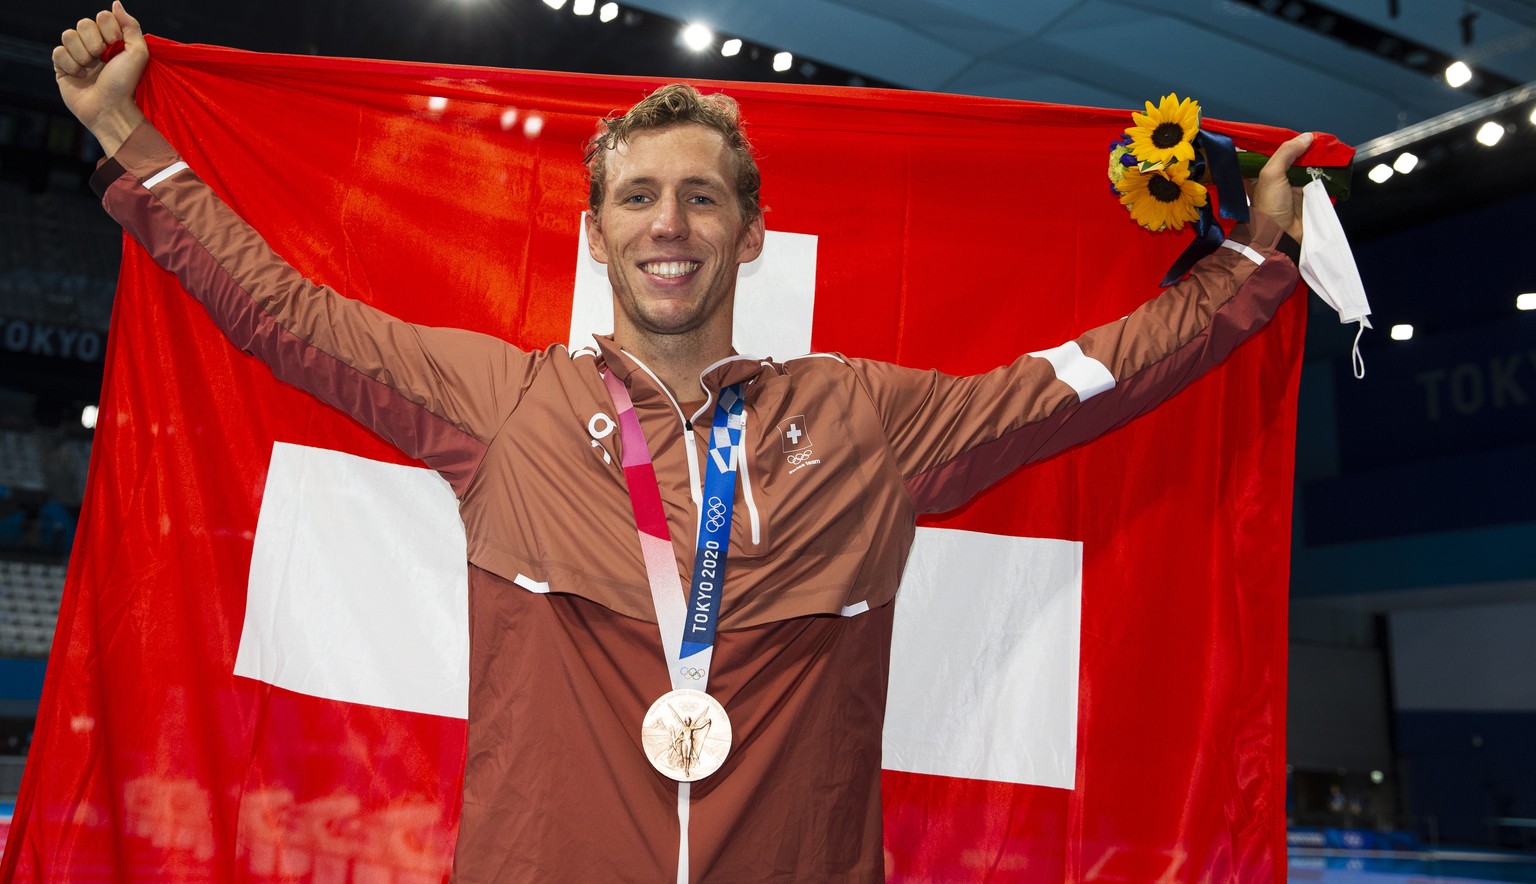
(670, 220)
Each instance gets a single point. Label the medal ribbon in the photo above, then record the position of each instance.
(687, 622)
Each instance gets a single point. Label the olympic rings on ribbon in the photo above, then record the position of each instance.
(692, 673)
(715, 518)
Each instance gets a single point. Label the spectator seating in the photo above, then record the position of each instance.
(58, 258)
(21, 465)
(30, 593)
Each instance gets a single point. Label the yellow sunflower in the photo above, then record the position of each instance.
(1164, 133)
(1157, 200)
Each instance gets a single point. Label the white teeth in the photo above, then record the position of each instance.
(670, 269)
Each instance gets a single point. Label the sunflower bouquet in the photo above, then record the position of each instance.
(1153, 166)
(1160, 167)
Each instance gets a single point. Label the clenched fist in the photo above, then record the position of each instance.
(100, 93)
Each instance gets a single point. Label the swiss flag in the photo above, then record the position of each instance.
(261, 663)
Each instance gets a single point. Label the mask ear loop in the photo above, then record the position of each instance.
(1356, 361)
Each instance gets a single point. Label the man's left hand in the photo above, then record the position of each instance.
(1273, 193)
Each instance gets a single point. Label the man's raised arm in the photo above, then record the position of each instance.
(436, 394)
(955, 436)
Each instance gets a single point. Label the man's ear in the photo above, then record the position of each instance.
(597, 247)
(751, 240)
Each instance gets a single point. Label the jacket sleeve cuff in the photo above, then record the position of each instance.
(1261, 232)
(143, 154)
(1264, 235)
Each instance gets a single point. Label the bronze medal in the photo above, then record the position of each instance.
(686, 735)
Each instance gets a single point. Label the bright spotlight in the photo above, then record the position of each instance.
(782, 61)
(730, 47)
(533, 125)
(584, 7)
(554, 4)
(508, 118)
(1402, 332)
(1456, 73)
(1489, 134)
(1532, 117)
(609, 12)
(1379, 172)
(88, 417)
(1405, 162)
(1526, 301)
(437, 104)
(697, 37)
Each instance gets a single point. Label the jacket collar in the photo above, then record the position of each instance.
(732, 369)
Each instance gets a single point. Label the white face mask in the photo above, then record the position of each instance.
(1328, 265)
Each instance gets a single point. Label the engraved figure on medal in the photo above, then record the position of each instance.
(686, 735)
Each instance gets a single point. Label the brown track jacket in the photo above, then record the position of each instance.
(565, 655)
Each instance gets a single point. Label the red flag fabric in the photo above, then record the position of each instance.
(939, 231)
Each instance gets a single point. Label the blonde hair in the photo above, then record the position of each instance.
(673, 105)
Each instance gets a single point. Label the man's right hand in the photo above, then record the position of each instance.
(100, 94)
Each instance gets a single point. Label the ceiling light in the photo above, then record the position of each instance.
(1402, 332)
(730, 47)
(1457, 73)
(1405, 162)
(554, 4)
(583, 7)
(1526, 301)
(782, 61)
(1489, 134)
(1532, 117)
(697, 37)
(88, 417)
(1380, 172)
(609, 12)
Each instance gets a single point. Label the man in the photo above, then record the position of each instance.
(593, 755)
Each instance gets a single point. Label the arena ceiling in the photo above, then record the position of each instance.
(1359, 68)
(1351, 67)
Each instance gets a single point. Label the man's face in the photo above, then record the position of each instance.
(671, 232)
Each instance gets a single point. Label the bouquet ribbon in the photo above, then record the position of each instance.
(1220, 160)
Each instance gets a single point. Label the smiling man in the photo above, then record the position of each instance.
(679, 636)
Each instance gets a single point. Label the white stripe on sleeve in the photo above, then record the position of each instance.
(165, 173)
(1243, 249)
(1085, 375)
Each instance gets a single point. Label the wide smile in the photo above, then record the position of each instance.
(670, 269)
